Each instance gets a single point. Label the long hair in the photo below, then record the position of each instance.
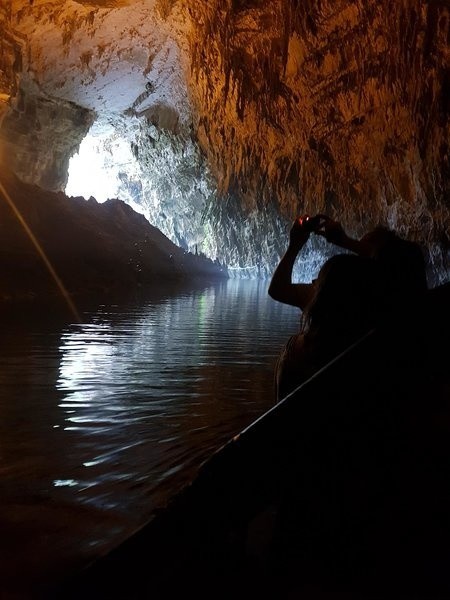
(345, 303)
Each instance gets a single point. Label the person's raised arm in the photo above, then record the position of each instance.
(281, 287)
(334, 233)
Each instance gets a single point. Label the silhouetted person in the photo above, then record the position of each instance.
(338, 308)
(368, 502)
(402, 298)
(400, 263)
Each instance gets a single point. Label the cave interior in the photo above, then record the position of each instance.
(150, 141)
(221, 122)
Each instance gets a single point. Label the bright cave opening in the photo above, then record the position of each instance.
(101, 167)
(169, 184)
(158, 178)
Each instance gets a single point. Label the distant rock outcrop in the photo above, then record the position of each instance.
(93, 248)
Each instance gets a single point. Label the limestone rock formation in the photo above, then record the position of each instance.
(338, 107)
(240, 114)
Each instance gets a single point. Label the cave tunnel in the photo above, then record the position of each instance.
(150, 143)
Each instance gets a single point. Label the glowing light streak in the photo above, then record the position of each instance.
(41, 253)
(65, 482)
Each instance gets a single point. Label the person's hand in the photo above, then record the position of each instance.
(333, 232)
(299, 234)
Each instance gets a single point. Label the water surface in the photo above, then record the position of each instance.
(103, 421)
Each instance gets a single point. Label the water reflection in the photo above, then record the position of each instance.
(104, 421)
(152, 392)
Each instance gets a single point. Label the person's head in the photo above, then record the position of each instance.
(401, 265)
(345, 299)
(375, 240)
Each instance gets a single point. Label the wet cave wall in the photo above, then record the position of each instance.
(339, 107)
(121, 76)
(239, 114)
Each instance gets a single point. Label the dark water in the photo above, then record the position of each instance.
(102, 422)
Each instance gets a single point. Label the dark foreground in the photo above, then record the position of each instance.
(341, 491)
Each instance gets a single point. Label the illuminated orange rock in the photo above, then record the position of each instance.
(340, 107)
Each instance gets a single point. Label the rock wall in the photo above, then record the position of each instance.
(39, 131)
(11, 50)
(335, 106)
(79, 64)
(40, 134)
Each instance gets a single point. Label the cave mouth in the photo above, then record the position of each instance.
(165, 178)
(158, 174)
(102, 167)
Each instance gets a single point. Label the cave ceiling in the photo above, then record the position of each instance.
(339, 106)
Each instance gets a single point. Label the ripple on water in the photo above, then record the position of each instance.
(103, 421)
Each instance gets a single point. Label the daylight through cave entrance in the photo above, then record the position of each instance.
(158, 175)
(165, 179)
(100, 168)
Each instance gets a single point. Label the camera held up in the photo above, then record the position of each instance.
(312, 224)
